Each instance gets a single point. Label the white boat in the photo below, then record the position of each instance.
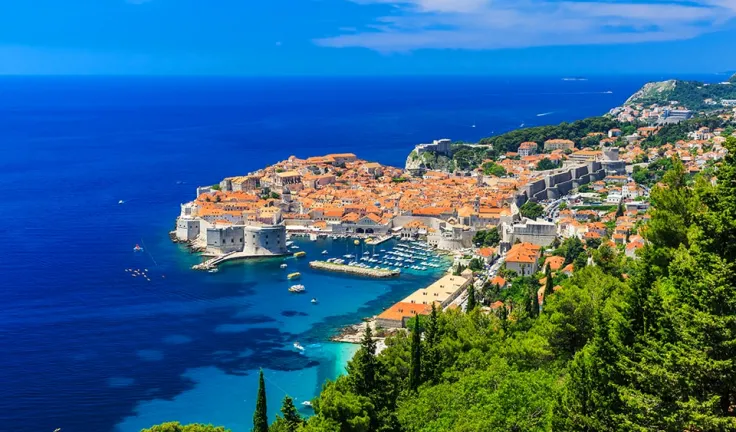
(121, 202)
(324, 252)
(289, 243)
(314, 301)
(307, 403)
(313, 237)
(214, 270)
(298, 346)
(297, 289)
(137, 248)
(283, 265)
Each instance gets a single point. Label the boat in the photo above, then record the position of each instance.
(313, 237)
(289, 243)
(324, 252)
(356, 242)
(314, 301)
(283, 265)
(214, 270)
(307, 403)
(300, 254)
(298, 346)
(294, 275)
(121, 202)
(297, 289)
(137, 248)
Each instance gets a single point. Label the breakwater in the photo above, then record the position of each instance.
(361, 271)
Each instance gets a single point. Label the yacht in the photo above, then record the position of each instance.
(297, 289)
(314, 301)
(298, 346)
(283, 265)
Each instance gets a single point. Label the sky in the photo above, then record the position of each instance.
(366, 37)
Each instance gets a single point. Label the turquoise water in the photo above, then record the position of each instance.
(261, 325)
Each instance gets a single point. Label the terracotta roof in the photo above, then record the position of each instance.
(401, 310)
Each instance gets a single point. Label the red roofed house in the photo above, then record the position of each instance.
(399, 314)
(522, 258)
(554, 262)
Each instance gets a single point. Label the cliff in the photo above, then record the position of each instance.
(653, 91)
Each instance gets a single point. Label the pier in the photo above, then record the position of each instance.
(214, 262)
(378, 241)
(360, 271)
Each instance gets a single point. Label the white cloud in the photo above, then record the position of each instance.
(494, 24)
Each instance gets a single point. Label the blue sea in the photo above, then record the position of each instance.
(85, 347)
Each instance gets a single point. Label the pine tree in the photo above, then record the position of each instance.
(362, 369)
(431, 351)
(260, 417)
(415, 366)
(291, 415)
(549, 283)
(471, 298)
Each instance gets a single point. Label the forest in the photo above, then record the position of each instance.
(621, 345)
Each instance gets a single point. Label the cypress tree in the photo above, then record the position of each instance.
(620, 210)
(362, 369)
(260, 417)
(471, 298)
(431, 351)
(291, 415)
(549, 283)
(415, 367)
(535, 303)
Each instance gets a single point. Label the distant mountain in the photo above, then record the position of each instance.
(694, 95)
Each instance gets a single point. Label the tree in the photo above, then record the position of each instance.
(177, 427)
(531, 210)
(431, 350)
(471, 298)
(486, 238)
(534, 307)
(548, 283)
(620, 210)
(260, 416)
(363, 367)
(291, 420)
(570, 249)
(415, 368)
(580, 261)
(545, 164)
(476, 264)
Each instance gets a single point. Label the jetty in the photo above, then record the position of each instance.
(378, 241)
(360, 271)
(232, 256)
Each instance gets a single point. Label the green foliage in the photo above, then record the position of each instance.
(549, 283)
(692, 94)
(469, 158)
(531, 210)
(575, 131)
(290, 420)
(546, 164)
(215, 187)
(399, 180)
(571, 248)
(415, 367)
(275, 195)
(471, 299)
(494, 169)
(260, 416)
(487, 238)
(177, 427)
(476, 264)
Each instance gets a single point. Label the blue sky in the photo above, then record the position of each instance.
(366, 37)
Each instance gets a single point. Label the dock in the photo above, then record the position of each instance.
(232, 256)
(360, 271)
(378, 241)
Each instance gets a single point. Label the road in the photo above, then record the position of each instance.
(462, 300)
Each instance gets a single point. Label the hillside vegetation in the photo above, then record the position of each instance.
(691, 94)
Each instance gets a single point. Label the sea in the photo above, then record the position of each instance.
(92, 166)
